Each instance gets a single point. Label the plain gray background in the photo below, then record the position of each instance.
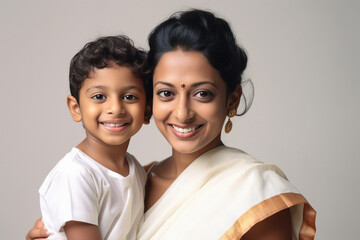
(303, 61)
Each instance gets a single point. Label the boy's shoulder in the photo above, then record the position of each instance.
(138, 168)
(74, 166)
(74, 161)
(132, 159)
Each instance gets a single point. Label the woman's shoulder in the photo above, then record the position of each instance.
(231, 156)
(237, 162)
(241, 157)
(157, 166)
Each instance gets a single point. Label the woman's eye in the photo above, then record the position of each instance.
(98, 97)
(130, 97)
(165, 94)
(204, 94)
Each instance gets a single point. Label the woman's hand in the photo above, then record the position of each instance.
(38, 232)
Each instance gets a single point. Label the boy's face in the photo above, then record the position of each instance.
(112, 105)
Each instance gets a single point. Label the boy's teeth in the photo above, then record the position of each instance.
(113, 124)
(184, 130)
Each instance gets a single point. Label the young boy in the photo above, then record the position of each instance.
(97, 190)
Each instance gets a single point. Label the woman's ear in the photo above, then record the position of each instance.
(148, 112)
(74, 108)
(234, 98)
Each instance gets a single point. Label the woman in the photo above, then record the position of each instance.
(206, 190)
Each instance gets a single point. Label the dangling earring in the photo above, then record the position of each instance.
(228, 125)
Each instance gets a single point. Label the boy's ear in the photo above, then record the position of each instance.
(148, 113)
(234, 98)
(74, 108)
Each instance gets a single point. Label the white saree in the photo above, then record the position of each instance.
(221, 195)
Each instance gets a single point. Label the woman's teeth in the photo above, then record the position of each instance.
(184, 130)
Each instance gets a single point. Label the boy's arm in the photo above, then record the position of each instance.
(81, 231)
(70, 196)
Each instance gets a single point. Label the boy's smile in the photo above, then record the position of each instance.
(114, 125)
(112, 104)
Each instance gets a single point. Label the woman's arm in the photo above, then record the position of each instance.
(275, 227)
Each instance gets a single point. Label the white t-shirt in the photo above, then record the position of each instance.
(80, 189)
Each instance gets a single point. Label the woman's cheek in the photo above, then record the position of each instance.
(213, 112)
(160, 109)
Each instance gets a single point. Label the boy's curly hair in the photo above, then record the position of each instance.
(101, 53)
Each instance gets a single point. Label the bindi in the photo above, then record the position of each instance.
(182, 85)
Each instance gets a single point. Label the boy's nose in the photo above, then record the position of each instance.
(115, 107)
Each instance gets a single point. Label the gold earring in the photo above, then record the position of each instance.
(228, 125)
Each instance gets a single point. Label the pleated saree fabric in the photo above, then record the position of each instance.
(221, 195)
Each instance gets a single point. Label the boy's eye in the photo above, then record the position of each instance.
(165, 93)
(203, 94)
(130, 97)
(98, 97)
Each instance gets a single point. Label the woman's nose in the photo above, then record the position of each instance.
(183, 111)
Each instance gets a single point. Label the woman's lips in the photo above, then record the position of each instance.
(185, 132)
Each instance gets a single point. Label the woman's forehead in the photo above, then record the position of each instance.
(185, 65)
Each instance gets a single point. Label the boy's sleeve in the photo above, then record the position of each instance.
(70, 195)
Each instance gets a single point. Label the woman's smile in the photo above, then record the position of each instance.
(186, 132)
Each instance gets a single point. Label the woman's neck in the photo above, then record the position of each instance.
(179, 161)
(164, 173)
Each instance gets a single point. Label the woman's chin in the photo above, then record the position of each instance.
(192, 148)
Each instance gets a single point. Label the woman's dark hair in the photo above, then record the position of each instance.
(198, 30)
(103, 52)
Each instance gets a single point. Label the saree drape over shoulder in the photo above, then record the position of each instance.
(221, 195)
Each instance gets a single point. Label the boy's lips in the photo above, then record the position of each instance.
(114, 126)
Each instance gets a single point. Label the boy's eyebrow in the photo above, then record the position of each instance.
(104, 88)
(133, 87)
(96, 87)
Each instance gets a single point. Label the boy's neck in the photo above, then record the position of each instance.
(111, 157)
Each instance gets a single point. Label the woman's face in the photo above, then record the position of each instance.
(190, 104)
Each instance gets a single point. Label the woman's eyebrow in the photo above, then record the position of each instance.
(165, 83)
(192, 85)
(201, 83)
